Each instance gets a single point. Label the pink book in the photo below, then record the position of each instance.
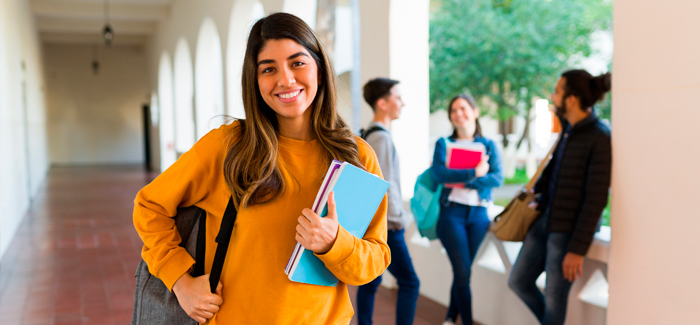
(464, 155)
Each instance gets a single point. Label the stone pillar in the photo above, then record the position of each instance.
(654, 262)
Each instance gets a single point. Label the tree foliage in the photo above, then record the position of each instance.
(506, 52)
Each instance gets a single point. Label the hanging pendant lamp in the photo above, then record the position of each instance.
(107, 32)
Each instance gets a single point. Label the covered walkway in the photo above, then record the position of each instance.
(67, 247)
(75, 253)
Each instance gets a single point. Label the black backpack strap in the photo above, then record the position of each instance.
(222, 240)
(201, 245)
(365, 133)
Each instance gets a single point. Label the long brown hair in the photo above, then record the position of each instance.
(250, 167)
(472, 103)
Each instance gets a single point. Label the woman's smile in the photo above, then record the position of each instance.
(289, 96)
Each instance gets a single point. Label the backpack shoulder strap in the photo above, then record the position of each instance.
(222, 240)
(364, 133)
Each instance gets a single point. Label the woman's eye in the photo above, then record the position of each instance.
(298, 64)
(266, 70)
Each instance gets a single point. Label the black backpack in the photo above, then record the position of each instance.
(154, 304)
(365, 133)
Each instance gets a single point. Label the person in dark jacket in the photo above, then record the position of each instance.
(573, 191)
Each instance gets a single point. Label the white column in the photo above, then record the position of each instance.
(304, 9)
(272, 6)
(394, 44)
(654, 260)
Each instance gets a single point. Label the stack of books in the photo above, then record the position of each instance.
(463, 155)
(357, 197)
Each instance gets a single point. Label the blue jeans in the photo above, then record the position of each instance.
(461, 228)
(401, 268)
(542, 251)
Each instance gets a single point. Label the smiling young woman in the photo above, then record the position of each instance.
(463, 220)
(251, 168)
(288, 81)
(272, 164)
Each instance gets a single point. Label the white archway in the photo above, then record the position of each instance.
(155, 139)
(304, 9)
(154, 109)
(166, 120)
(257, 13)
(209, 79)
(344, 95)
(243, 15)
(184, 95)
(344, 40)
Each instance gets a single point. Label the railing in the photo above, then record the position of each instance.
(493, 302)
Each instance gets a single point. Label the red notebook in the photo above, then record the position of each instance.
(464, 155)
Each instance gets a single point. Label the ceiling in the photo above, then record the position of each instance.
(82, 21)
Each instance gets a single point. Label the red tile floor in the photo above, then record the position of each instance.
(73, 258)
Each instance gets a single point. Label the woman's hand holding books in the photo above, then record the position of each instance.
(316, 233)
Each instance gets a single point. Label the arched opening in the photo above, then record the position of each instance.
(154, 109)
(304, 9)
(209, 79)
(346, 62)
(184, 92)
(243, 16)
(344, 42)
(344, 94)
(166, 119)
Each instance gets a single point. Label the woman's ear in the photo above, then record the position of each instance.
(476, 113)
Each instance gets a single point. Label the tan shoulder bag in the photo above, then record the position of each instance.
(513, 223)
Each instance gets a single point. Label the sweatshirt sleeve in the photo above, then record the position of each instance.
(358, 261)
(444, 175)
(184, 184)
(494, 178)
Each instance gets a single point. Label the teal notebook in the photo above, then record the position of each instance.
(357, 197)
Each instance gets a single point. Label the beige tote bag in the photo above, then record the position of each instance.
(513, 223)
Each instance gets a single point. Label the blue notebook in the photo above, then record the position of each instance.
(357, 197)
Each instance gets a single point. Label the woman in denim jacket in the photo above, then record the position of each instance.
(463, 220)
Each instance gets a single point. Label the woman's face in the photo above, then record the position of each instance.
(461, 113)
(287, 78)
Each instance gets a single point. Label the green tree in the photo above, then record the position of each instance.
(507, 52)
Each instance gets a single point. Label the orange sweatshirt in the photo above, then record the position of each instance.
(255, 288)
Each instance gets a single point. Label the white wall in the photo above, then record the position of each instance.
(95, 119)
(656, 109)
(24, 160)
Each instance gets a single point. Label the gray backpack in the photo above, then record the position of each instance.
(153, 302)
